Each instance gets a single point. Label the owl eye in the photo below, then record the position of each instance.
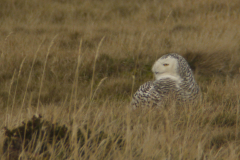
(165, 64)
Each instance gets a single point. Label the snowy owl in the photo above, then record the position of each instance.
(174, 80)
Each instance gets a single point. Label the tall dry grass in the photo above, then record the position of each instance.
(85, 76)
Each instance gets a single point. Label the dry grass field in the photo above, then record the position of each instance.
(77, 63)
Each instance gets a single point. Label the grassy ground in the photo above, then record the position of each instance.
(78, 62)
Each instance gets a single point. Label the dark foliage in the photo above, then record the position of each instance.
(35, 137)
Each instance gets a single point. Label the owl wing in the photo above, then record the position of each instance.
(143, 95)
(153, 93)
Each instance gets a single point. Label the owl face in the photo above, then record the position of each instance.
(165, 67)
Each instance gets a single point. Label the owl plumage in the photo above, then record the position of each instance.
(174, 81)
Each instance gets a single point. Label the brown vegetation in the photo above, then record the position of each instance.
(55, 56)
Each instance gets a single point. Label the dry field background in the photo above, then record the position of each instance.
(77, 63)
